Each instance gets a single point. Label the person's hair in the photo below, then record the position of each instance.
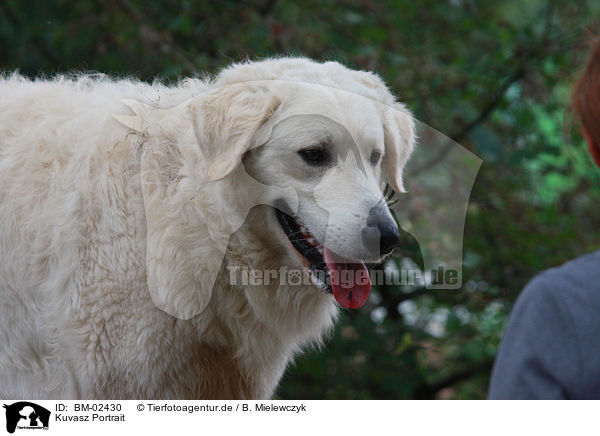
(586, 96)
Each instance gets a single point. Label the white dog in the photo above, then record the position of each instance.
(120, 231)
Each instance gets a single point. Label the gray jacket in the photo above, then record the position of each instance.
(551, 346)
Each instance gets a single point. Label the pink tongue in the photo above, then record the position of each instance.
(350, 280)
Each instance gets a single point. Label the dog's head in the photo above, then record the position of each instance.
(333, 135)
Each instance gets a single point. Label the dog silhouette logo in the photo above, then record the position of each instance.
(26, 415)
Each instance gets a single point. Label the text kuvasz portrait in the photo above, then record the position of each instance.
(116, 231)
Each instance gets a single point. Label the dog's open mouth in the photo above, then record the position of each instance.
(347, 279)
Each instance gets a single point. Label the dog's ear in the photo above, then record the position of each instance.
(399, 132)
(228, 121)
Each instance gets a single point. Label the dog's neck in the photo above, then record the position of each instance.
(270, 323)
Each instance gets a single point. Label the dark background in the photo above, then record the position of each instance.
(493, 76)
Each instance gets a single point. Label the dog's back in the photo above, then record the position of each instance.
(76, 318)
(57, 145)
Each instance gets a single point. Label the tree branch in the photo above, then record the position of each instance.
(390, 300)
(429, 391)
(485, 112)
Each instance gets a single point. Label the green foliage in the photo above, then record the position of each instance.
(494, 76)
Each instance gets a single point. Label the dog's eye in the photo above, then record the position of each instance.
(375, 157)
(314, 156)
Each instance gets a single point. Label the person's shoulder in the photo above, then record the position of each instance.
(549, 348)
(586, 264)
(583, 271)
(575, 284)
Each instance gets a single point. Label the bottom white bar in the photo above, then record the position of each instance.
(312, 418)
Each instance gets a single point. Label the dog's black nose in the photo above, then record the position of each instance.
(381, 232)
